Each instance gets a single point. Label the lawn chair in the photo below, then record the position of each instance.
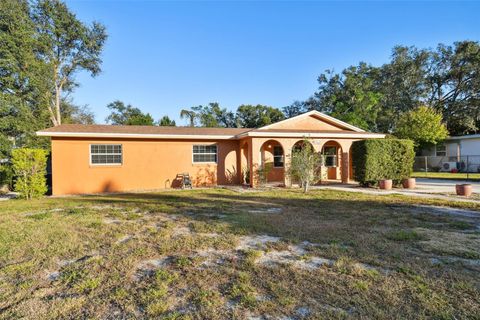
(186, 181)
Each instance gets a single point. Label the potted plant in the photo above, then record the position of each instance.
(464, 189)
(385, 184)
(409, 183)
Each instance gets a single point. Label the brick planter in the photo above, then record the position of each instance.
(464, 189)
(409, 183)
(385, 184)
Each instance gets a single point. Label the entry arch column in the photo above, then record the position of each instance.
(346, 160)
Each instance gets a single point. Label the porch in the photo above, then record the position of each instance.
(266, 160)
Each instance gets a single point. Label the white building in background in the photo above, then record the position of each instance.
(457, 152)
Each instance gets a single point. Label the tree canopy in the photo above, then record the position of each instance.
(42, 46)
(246, 116)
(423, 125)
(446, 78)
(65, 46)
(255, 116)
(165, 121)
(122, 114)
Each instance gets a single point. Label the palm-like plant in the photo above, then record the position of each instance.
(189, 115)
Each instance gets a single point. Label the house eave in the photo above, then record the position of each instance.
(472, 136)
(133, 136)
(312, 135)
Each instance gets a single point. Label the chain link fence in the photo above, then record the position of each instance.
(427, 166)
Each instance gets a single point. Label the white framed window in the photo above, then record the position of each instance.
(278, 157)
(204, 153)
(106, 154)
(330, 156)
(441, 150)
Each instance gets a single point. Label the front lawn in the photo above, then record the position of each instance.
(447, 175)
(221, 254)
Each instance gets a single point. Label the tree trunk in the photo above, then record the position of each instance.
(306, 185)
(58, 92)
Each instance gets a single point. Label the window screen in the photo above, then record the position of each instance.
(106, 154)
(204, 153)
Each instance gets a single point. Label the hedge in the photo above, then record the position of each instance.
(374, 160)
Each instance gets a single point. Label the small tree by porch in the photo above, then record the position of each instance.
(304, 165)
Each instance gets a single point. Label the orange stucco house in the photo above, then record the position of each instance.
(107, 158)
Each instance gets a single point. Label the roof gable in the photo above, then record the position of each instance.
(312, 120)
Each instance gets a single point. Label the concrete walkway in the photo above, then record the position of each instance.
(8, 196)
(426, 188)
(442, 185)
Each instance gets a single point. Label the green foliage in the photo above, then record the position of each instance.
(211, 115)
(404, 235)
(166, 122)
(374, 98)
(374, 160)
(65, 46)
(352, 95)
(190, 115)
(72, 113)
(42, 47)
(29, 166)
(304, 165)
(214, 116)
(250, 116)
(263, 172)
(423, 125)
(246, 116)
(122, 114)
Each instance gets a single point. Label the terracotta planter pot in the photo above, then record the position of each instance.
(409, 183)
(464, 189)
(386, 184)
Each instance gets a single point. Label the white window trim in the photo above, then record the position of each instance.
(209, 153)
(331, 156)
(335, 156)
(104, 164)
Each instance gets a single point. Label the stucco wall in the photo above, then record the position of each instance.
(305, 123)
(147, 164)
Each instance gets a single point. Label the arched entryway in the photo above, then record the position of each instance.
(331, 161)
(272, 162)
(300, 144)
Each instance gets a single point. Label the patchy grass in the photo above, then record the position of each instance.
(216, 254)
(404, 235)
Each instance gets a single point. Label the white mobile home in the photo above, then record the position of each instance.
(456, 153)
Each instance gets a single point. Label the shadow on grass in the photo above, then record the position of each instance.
(324, 216)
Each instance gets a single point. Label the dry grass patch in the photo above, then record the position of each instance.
(219, 254)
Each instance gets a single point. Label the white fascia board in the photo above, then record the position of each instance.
(472, 136)
(321, 116)
(133, 135)
(313, 135)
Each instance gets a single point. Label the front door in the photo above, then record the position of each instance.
(331, 162)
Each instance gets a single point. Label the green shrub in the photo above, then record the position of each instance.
(29, 166)
(374, 160)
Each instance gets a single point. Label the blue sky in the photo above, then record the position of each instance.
(165, 56)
